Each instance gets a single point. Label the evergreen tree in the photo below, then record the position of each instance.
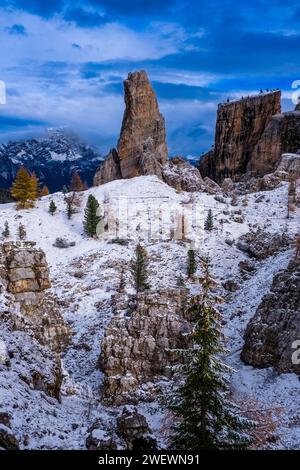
(191, 264)
(91, 217)
(24, 189)
(52, 207)
(64, 189)
(205, 417)
(139, 268)
(76, 183)
(21, 232)
(6, 231)
(209, 223)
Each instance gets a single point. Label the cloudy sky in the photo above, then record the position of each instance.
(63, 62)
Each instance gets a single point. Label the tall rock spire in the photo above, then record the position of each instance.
(142, 122)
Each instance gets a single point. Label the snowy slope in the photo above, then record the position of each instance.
(85, 276)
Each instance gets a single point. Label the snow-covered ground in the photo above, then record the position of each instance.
(85, 276)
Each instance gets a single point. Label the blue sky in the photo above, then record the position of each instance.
(64, 61)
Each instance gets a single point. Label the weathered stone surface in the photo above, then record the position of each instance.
(142, 120)
(7, 440)
(289, 166)
(109, 170)
(137, 345)
(99, 439)
(25, 272)
(260, 245)
(182, 176)
(142, 148)
(240, 125)
(281, 135)
(275, 326)
(134, 429)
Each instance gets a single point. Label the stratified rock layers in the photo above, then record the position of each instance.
(138, 342)
(239, 127)
(142, 121)
(25, 274)
(142, 147)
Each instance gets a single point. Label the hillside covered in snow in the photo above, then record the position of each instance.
(85, 279)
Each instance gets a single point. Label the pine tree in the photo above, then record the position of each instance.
(64, 189)
(24, 189)
(6, 231)
(91, 217)
(76, 183)
(209, 223)
(191, 263)
(205, 417)
(52, 207)
(21, 232)
(139, 268)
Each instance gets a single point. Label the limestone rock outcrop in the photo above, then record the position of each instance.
(182, 176)
(272, 336)
(239, 127)
(289, 166)
(24, 273)
(142, 147)
(109, 170)
(281, 135)
(138, 342)
(142, 120)
(133, 428)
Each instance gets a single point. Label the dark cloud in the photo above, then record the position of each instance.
(17, 30)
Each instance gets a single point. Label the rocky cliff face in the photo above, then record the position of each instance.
(24, 273)
(142, 121)
(282, 135)
(240, 125)
(138, 342)
(275, 326)
(289, 166)
(142, 148)
(110, 169)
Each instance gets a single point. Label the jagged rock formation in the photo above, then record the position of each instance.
(297, 108)
(110, 169)
(137, 345)
(240, 125)
(142, 147)
(24, 273)
(282, 135)
(133, 428)
(142, 120)
(289, 166)
(260, 244)
(275, 326)
(182, 176)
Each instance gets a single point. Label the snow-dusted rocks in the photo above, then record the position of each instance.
(260, 244)
(289, 166)
(137, 345)
(133, 428)
(25, 274)
(272, 337)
